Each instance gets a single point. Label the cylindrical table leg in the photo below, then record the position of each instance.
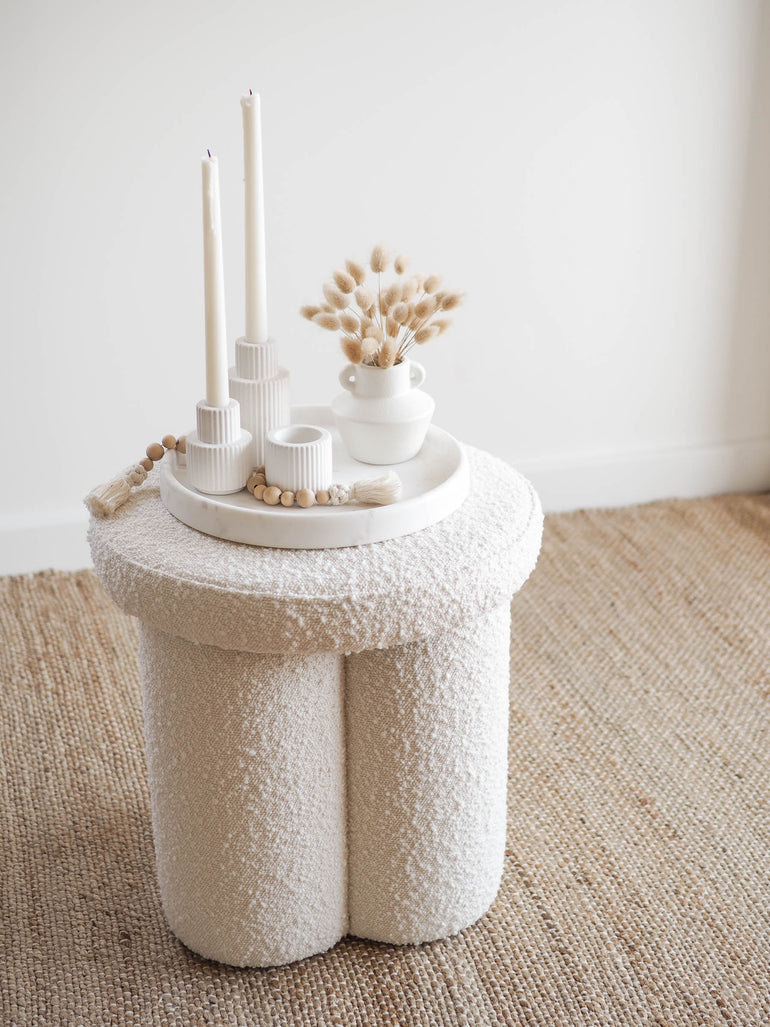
(427, 727)
(246, 764)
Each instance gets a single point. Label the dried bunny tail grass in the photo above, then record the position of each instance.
(369, 347)
(393, 294)
(451, 300)
(349, 321)
(374, 331)
(400, 313)
(379, 259)
(432, 282)
(334, 296)
(426, 307)
(325, 320)
(344, 281)
(401, 263)
(356, 271)
(384, 306)
(364, 298)
(327, 308)
(410, 290)
(420, 282)
(392, 327)
(309, 312)
(352, 349)
(388, 353)
(442, 323)
(426, 334)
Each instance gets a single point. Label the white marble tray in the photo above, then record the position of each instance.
(434, 484)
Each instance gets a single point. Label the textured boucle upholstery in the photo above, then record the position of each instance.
(335, 600)
(246, 762)
(426, 749)
(295, 800)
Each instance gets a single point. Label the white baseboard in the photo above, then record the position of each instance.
(39, 543)
(569, 483)
(620, 479)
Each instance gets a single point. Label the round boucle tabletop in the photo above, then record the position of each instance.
(286, 601)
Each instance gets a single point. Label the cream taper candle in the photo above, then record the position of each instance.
(217, 389)
(256, 284)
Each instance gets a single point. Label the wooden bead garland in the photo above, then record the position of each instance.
(104, 500)
(382, 490)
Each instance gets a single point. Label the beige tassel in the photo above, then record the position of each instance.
(104, 500)
(381, 491)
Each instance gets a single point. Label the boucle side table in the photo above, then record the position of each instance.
(326, 729)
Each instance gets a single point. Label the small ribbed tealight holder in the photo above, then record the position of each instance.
(219, 453)
(299, 456)
(262, 389)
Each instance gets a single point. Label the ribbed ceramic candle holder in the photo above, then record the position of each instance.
(219, 453)
(298, 456)
(262, 389)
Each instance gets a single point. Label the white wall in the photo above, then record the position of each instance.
(592, 172)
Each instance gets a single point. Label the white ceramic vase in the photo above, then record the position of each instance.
(382, 416)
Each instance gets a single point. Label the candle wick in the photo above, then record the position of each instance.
(209, 153)
(250, 93)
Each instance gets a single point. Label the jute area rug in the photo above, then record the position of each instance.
(637, 882)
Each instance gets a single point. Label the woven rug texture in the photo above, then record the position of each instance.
(637, 880)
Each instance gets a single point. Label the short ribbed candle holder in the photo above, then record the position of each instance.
(298, 456)
(262, 389)
(219, 453)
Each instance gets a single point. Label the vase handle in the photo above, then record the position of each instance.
(416, 375)
(348, 377)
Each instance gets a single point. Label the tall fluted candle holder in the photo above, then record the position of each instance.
(262, 389)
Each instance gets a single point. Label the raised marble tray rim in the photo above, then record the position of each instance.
(435, 483)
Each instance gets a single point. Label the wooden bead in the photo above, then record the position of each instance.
(259, 492)
(181, 444)
(287, 498)
(261, 479)
(168, 442)
(305, 498)
(155, 451)
(272, 495)
(260, 469)
(146, 463)
(253, 481)
(322, 497)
